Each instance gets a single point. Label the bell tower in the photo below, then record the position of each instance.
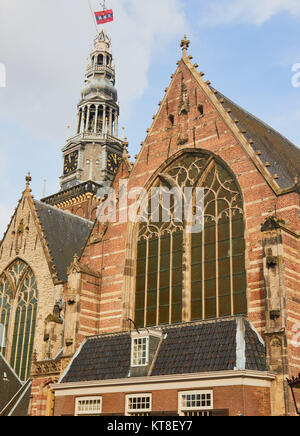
(85, 154)
(92, 156)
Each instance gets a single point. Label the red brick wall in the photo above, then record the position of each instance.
(39, 394)
(247, 400)
(85, 209)
(109, 254)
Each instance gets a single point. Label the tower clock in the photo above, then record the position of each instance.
(71, 162)
(113, 162)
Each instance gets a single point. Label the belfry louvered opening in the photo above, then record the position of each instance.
(183, 275)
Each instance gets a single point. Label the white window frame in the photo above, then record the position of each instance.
(129, 412)
(87, 412)
(182, 409)
(134, 356)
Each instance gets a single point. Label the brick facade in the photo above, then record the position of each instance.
(113, 253)
(99, 294)
(238, 400)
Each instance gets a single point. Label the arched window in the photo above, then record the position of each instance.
(19, 298)
(100, 59)
(183, 275)
(5, 309)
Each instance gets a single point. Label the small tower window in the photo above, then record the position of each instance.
(171, 119)
(100, 59)
(201, 109)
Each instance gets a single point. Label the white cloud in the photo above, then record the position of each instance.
(5, 216)
(44, 45)
(139, 33)
(251, 11)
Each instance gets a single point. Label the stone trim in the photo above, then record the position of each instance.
(184, 381)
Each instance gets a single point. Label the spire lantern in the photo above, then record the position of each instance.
(102, 41)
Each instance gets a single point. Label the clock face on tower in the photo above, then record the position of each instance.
(113, 162)
(71, 162)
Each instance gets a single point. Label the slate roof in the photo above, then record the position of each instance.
(7, 388)
(282, 155)
(255, 351)
(14, 394)
(102, 358)
(197, 348)
(22, 400)
(204, 346)
(66, 235)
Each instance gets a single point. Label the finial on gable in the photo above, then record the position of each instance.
(28, 180)
(185, 43)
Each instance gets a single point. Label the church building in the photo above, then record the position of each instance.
(146, 317)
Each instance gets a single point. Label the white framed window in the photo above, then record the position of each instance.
(195, 403)
(140, 351)
(88, 406)
(138, 405)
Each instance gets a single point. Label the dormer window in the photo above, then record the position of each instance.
(144, 344)
(140, 351)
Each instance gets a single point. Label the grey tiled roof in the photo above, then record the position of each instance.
(66, 235)
(282, 155)
(102, 358)
(9, 385)
(22, 405)
(255, 350)
(197, 347)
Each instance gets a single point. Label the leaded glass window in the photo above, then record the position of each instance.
(183, 275)
(19, 298)
(5, 309)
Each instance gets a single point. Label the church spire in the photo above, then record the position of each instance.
(98, 109)
(85, 155)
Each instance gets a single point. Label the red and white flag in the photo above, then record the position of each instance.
(104, 16)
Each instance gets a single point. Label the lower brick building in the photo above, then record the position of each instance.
(161, 316)
(206, 368)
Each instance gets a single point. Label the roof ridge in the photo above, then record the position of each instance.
(69, 214)
(178, 325)
(260, 121)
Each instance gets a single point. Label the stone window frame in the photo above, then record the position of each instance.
(24, 296)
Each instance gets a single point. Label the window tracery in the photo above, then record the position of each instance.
(183, 275)
(19, 298)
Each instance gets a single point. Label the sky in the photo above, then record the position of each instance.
(248, 49)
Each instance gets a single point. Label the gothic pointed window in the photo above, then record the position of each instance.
(19, 298)
(185, 275)
(5, 310)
